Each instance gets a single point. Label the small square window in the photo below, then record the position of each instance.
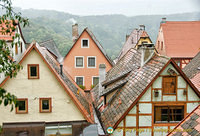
(79, 62)
(85, 43)
(79, 81)
(92, 62)
(169, 85)
(33, 71)
(22, 106)
(45, 104)
(95, 80)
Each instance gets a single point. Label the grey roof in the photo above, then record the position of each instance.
(132, 85)
(97, 43)
(52, 47)
(193, 68)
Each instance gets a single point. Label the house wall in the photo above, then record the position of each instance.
(160, 38)
(140, 119)
(63, 108)
(93, 50)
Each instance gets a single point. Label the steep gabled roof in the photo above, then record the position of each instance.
(132, 41)
(51, 47)
(138, 80)
(189, 126)
(75, 92)
(181, 38)
(192, 71)
(96, 42)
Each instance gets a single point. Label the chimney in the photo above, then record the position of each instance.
(75, 34)
(163, 20)
(142, 27)
(102, 76)
(127, 36)
(147, 52)
(61, 69)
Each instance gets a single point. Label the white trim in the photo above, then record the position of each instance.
(92, 79)
(95, 61)
(75, 61)
(82, 42)
(83, 79)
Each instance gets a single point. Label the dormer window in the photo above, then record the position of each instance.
(33, 71)
(85, 43)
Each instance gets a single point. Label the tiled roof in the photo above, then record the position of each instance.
(189, 126)
(192, 71)
(137, 80)
(181, 38)
(52, 47)
(132, 41)
(97, 43)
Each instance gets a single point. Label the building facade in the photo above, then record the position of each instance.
(83, 59)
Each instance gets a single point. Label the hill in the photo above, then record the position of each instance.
(110, 30)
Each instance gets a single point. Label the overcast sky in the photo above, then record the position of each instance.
(100, 7)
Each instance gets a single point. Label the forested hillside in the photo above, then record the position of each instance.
(110, 30)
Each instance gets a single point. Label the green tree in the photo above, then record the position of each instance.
(8, 22)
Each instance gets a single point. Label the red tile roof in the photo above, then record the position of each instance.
(196, 81)
(182, 39)
(189, 126)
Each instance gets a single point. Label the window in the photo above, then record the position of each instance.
(158, 44)
(79, 61)
(168, 114)
(91, 62)
(85, 43)
(161, 45)
(79, 80)
(16, 49)
(33, 71)
(21, 47)
(169, 85)
(95, 80)
(22, 106)
(45, 105)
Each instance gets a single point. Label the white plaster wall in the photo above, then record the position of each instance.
(133, 110)
(130, 121)
(147, 96)
(159, 98)
(192, 95)
(130, 132)
(158, 83)
(165, 70)
(118, 132)
(160, 131)
(144, 121)
(145, 108)
(169, 98)
(121, 124)
(181, 82)
(180, 95)
(63, 108)
(192, 106)
(144, 132)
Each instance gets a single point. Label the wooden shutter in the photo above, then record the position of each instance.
(169, 85)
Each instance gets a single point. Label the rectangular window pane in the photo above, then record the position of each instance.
(85, 43)
(22, 105)
(79, 62)
(79, 80)
(91, 61)
(33, 71)
(169, 85)
(95, 80)
(45, 104)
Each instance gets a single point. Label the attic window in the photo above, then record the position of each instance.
(16, 49)
(33, 71)
(21, 47)
(22, 106)
(91, 62)
(79, 61)
(169, 85)
(45, 105)
(85, 43)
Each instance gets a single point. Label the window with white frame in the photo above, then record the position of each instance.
(79, 80)
(79, 61)
(95, 80)
(91, 62)
(85, 43)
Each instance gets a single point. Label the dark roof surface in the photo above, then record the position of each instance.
(192, 71)
(132, 85)
(51, 47)
(189, 126)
